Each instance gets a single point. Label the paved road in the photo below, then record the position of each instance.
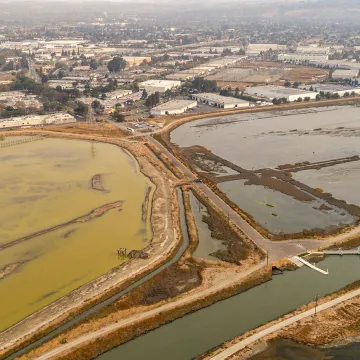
(276, 250)
(33, 74)
(251, 339)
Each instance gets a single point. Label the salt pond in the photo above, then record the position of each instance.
(47, 183)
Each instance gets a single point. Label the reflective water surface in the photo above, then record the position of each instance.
(47, 183)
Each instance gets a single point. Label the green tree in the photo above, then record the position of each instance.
(9, 66)
(150, 101)
(118, 117)
(116, 64)
(93, 64)
(81, 109)
(24, 62)
(144, 95)
(276, 101)
(96, 104)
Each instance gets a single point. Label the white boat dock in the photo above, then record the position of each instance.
(311, 265)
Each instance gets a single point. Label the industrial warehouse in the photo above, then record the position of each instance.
(345, 74)
(159, 85)
(173, 107)
(219, 101)
(33, 120)
(279, 92)
(333, 89)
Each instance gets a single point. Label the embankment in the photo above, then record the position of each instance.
(124, 334)
(334, 324)
(95, 213)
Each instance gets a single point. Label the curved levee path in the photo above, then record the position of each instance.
(251, 339)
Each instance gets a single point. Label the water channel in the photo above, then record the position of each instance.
(198, 332)
(288, 350)
(207, 244)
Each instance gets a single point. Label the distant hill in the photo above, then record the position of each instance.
(292, 10)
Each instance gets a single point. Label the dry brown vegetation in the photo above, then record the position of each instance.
(347, 245)
(335, 324)
(83, 128)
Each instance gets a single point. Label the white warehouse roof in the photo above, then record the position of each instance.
(273, 92)
(221, 101)
(345, 74)
(160, 83)
(173, 107)
(333, 88)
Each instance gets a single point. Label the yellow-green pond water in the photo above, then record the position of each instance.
(46, 183)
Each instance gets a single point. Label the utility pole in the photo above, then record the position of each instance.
(267, 258)
(90, 116)
(316, 303)
(228, 218)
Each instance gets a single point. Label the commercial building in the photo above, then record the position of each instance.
(257, 49)
(220, 101)
(118, 94)
(173, 107)
(345, 74)
(333, 89)
(300, 57)
(343, 64)
(34, 120)
(64, 84)
(159, 85)
(18, 100)
(313, 49)
(206, 68)
(270, 93)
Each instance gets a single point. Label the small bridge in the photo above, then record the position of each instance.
(311, 265)
(26, 139)
(339, 252)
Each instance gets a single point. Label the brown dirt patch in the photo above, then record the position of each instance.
(103, 129)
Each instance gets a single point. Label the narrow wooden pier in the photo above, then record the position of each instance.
(311, 265)
(339, 252)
